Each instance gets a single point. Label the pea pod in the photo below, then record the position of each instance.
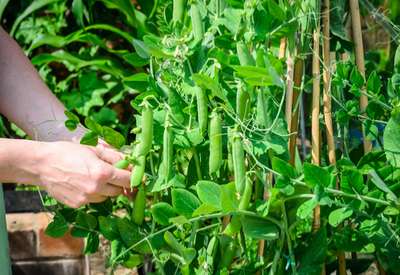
(168, 151)
(139, 206)
(239, 164)
(122, 164)
(215, 161)
(235, 224)
(202, 110)
(179, 12)
(197, 22)
(243, 54)
(147, 129)
(137, 172)
(227, 257)
(242, 102)
(231, 168)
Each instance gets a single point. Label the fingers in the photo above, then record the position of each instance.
(130, 193)
(110, 190)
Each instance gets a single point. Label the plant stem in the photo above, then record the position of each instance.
(193, 234)
(289, 240)
(197, 162)
(274, 265)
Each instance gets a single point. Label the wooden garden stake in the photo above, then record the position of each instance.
(290, 84)
(298, 75)
(359, 56)
(328, 109)
(282, 48)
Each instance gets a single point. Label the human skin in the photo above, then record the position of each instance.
(73, 174)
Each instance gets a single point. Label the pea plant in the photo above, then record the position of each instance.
(226, 191)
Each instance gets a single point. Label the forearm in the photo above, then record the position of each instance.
(25, 98)
(17, 160)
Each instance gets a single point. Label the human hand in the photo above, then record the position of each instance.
(77, 174)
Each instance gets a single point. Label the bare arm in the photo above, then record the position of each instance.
(26, 100)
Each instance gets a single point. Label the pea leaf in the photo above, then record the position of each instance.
(209, 193)
(141, 49)
(371, 161)
(162, 213)
(203, 81)
(337, 216)
(276, 11)
(72, 116)
(259, 228)
(113, 138)
(315, 255)
(391, 144)
(370, 130)
(356, 78)
(205, 209)
(57, 229)
(184, 202)
(373, 83)
(137, 81)
(342, 71)
(92, 243)
(229, 200)
(374, 110)
(343, 117)
(306, 207)
(352, 181)
(381, 185)
(93, 126)
(283, 168)
(351, 240)
(90, 139)
(135, 60)
(109, 228)
(86, 220)
(71, 125)
(315, 175)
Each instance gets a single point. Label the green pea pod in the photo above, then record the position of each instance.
(215, 161)
(231, 168)
(168, 151)
(202, 110)
(147, 129)
(239, 164)
(242, 102)
(137, 130)
(179, 11)
(139, 206)
(122, 164)
(197, 22)
(235, 224)
(243, 54)
(227, 257)
(137, 172)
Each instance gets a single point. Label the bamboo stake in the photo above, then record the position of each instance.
(289, 90)
(298, 75)
(270, 176)
(359, 56)
(328, 110)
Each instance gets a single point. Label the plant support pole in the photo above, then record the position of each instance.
(5, 262)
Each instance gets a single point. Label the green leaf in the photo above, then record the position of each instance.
(356, 78)
(86, 220)
(209, 193)
(173, 242)
(141, 49)
(57, 229)
(382, 186)
(370, 130)
(373, 83)
(246, 71)
(284, 185)
(343, 117)
(337, 81)
(351, 240)
(118, 248)
(179, 220)
(352, 181)
(390, 142)
(78, 8)
(162, 213)
(109, 228)
(283, 168)
(337, 216)
(92, 243)
(229, 200)
(371, 161)
(259, 80)
(3, 5)
(72, 116)
(93, 126)
(71, 125)
(352, 107)
(315, 175)
(322, 196)
(79, 232)
(203, 81)
(342, 71)
(49, 201)
(158, 52)
(135, 60)
(113, 138)
(205, 209)
(259, 228)
(133, 261)
(184, 202)
(287, 30)
(315, 254)
(306, 207)
(137, 81)
(276, 11)
(374, 110)
(217, 92)
(90, 139)
(104, 208)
